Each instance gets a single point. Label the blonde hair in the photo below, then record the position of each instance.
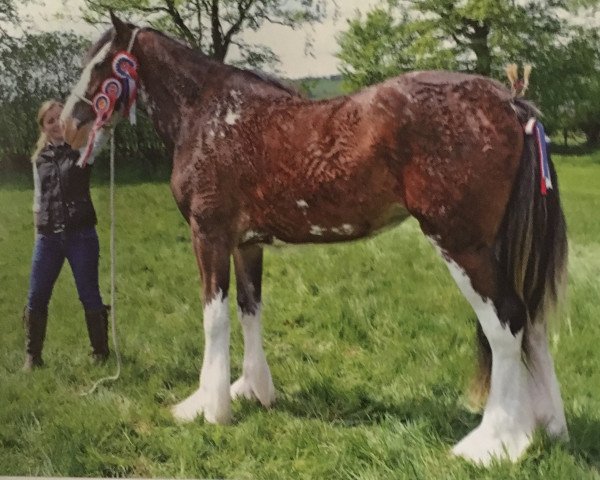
(42, 140)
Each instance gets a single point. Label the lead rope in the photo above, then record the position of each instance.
(113, 322)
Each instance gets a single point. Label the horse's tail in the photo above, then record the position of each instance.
(531, 248)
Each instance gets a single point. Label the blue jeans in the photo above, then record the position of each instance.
(81, 248)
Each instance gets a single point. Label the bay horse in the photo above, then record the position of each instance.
(256, 163)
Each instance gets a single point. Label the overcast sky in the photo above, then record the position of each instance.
(286, 43)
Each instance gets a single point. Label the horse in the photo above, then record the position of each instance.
(256, 163)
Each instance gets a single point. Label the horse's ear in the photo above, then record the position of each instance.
(121, 28)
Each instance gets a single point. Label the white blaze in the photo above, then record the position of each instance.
(82, 85)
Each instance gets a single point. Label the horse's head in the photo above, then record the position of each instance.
(106, 89)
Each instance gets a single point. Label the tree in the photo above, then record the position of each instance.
(476, 36)
(587, 104)
(380, 46)
(479, 36)
(8, 17)
(36, 68)
(213, 26)
(8, 14)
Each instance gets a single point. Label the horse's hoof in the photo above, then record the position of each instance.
(188, 409)
(557, 429)
(264, 392)
(195, 406)
(483, 445)
(241, 389)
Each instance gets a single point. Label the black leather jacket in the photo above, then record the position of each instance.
(64, 191)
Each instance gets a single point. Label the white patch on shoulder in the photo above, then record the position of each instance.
(232, 117)
(81, 86)
(234, 112)
(302, 204)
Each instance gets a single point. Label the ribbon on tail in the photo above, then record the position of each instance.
(125, 67)
(535, 128)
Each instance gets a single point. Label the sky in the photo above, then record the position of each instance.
(288, 44)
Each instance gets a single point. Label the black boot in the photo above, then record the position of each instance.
(97, 326)
(35, 333)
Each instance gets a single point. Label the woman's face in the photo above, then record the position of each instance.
(52, 126)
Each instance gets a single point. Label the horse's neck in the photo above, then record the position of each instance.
(172, 80)
(164, 87)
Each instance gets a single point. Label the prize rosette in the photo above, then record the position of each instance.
(125, 66)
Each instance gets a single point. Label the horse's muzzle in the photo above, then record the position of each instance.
(76, 133)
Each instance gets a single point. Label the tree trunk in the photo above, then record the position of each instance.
(592, 135)
(479, 45)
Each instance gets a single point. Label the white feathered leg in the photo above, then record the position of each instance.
(508, 422)
(212, 397)
(256, 381)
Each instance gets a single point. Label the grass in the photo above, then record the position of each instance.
(370, 346)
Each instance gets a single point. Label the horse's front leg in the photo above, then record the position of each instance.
(256, 381)
(212, 397)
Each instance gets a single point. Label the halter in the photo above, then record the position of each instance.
(122, 85)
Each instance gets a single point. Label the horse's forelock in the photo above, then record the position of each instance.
(106, 37)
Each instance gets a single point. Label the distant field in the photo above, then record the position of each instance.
(370, 346)
(321, 87)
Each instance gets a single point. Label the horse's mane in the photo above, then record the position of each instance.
(272, 80)
(195, 54)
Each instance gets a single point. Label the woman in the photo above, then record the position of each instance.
(65, 223)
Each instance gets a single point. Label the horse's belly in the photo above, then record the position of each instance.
(316, 223)
(327, 194)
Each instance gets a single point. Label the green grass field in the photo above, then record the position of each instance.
(370, 345)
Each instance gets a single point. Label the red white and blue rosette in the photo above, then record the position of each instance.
(125, 67)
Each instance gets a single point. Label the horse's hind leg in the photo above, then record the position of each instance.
(256, 381)
(545, 392)
(212, 397)
(509, 419)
